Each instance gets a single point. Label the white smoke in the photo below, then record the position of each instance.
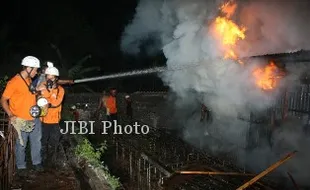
(275, 26)
(227, 88)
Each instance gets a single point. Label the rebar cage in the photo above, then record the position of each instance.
(7, 152)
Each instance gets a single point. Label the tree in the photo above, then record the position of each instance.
(76, 70)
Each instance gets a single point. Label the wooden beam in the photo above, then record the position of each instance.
(212, 173)
(267, 171)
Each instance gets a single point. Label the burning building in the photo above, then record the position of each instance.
(292, 101)
(250, 97)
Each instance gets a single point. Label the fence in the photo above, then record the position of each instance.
(7, 152)
(143, 172)
(149, 162)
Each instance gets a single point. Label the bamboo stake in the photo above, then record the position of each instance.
(267, 171)
(212, 173)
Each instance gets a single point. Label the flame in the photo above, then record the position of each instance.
(267, 77)
(228, 8)
(227, 32)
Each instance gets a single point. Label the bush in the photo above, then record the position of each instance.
(85, 151)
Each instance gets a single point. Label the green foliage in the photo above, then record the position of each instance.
(86, 151)
(113, 181)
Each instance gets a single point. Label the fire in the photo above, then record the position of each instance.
(229, 8)
(267, 77)
(227, 32)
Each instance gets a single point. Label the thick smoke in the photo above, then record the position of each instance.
(182, 28)
(275, 26)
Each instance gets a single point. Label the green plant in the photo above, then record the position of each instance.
(113, 181)
(85, 151)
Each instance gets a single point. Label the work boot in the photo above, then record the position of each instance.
(16, 183)
(38, 168)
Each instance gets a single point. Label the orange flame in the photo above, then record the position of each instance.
(228, 32)
(267, 78)
(229, 8)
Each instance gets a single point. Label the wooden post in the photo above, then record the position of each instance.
(267, 171)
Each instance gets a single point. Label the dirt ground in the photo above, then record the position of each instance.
(50, 179)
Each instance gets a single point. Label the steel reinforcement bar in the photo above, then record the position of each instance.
(7, 152)
(150, 162)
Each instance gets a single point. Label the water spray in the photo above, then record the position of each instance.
(135, 73)
(147, 71)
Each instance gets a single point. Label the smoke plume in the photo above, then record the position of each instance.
(182, 29)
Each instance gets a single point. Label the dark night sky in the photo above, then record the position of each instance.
(77, 28)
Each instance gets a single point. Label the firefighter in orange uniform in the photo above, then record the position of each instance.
(54, 93)
(16, 100)
(111, 106)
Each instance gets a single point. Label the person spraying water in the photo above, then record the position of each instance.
(42, 77)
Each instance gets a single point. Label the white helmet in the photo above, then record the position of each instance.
(51, 70)
(31, 61)
(127, 96)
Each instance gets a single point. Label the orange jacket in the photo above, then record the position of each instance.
(55, 98)
(111, 105)
(20, 98)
